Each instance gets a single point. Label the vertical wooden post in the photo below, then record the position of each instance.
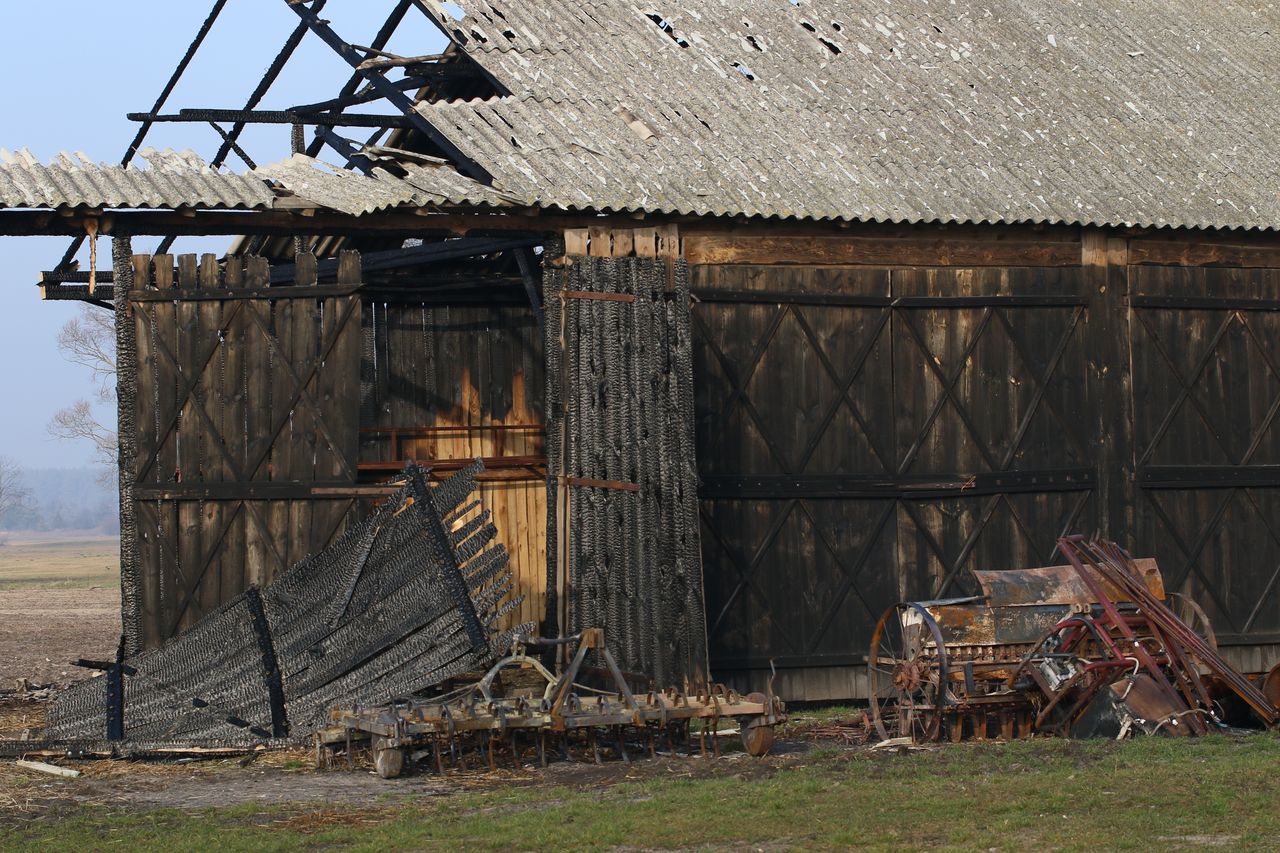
(145, 392)
(1105, 261)
(126, 432)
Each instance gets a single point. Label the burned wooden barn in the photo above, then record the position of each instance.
(763, 316)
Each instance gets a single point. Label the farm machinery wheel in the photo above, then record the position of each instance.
(907, 678)
(387, 760)
(1186, 609)
(757, 733)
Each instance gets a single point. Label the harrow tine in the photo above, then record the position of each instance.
(622, 746)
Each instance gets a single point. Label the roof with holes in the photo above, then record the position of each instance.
(1126, 112)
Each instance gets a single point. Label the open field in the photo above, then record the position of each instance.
(59, 561)
(1159, 793)
(59, 600)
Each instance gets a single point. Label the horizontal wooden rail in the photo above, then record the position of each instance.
(491, 463)
(412, 432)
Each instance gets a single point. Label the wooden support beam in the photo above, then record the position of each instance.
(280, 223)
(1188, 253)
(397, 98)
(713, 249)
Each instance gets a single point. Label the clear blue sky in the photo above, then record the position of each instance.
(75, 68)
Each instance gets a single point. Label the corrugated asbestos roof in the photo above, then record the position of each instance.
(1126, 112)
(348, 192)
(173, 180)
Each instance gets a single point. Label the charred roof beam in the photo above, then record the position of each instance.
(364, 96)
(204, 116)
(396, 97)
(356, 159)
(465, 247)
(163, 98)
(383, 37)
(456, 38)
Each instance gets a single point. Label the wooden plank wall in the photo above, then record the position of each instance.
(444, 385)
(1205, 349)
(247, 398)
(882, 410)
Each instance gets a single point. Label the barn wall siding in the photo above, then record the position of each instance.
(868, 430)
(245, 405)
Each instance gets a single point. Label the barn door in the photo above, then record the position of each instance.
(1206, 384)
(245, 428)
(867, 435)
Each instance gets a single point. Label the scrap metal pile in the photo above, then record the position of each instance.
(504, 718)
(1094, 648)
(404, 600)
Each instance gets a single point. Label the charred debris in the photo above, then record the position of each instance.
(1095, 648)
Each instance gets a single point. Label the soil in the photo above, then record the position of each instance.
(277, 779)
(43, 630)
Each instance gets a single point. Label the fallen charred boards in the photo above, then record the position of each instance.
(402, 601)
(505, 719)
(1093, 648)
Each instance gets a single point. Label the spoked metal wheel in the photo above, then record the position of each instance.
(1186, 609)
(907, 674)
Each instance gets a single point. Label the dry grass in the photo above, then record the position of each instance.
(59, 560)
(17, 717)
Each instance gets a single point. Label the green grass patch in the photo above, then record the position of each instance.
(1139, 795)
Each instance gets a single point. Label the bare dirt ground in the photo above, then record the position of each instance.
(290, 778)
(43, 630)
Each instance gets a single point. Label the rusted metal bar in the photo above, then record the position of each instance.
(593, 296)
(1113, 564)
(614, 485)
(1072, 550)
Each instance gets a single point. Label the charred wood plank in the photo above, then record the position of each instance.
(204, 116)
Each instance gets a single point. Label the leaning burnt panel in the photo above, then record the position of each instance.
(406, 599)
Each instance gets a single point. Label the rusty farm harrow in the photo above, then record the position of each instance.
(519, 712)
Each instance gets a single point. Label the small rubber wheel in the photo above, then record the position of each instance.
(757, 735)
(387, 760)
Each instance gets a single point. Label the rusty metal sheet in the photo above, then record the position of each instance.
(1055, 585)
(981, 625)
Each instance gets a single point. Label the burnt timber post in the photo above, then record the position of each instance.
(126, 401)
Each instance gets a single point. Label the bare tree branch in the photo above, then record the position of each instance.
(90, 341)
(13, 491)
(77, 423)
